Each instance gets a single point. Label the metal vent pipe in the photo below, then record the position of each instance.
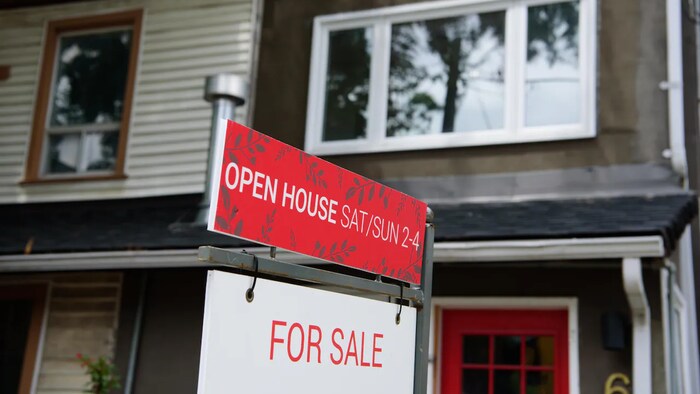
(225, 92)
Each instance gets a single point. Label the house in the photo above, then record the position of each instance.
(554, 141)
(549, 138)
(104, 136)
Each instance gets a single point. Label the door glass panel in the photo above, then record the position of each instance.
(552, 77)
(507, 350)
(475, 349)
(447, 75)
(475, 381)
(15, 317)
(64, 151)
(90, 78)
(506, 382)
(539, 382)
(539, 351)
(347, 84)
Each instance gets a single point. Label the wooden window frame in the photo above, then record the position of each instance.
(132, 18)
(514, 130)
(37, 293)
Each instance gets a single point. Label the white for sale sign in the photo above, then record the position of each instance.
(294, 339)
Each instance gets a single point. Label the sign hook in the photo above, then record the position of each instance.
(398, 314)
(250, 293)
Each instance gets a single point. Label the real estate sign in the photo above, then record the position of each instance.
(274, 194)
(294, 339)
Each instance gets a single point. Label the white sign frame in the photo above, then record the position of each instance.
(241, 352)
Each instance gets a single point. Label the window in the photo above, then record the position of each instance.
(84, 98)
(504, 351)
(457, 73)
(21, 316)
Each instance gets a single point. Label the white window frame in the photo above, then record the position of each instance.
(514, 131)
(440, 304)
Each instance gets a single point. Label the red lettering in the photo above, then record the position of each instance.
(351, 343)
(362, 352)
(337, 346)
(312, 343)
(289, 342)
(274, 339)
(375, 350)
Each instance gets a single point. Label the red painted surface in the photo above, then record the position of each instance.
(274, 194)
(458, 323)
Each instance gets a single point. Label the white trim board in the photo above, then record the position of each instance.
(568, 303)
(444, 252)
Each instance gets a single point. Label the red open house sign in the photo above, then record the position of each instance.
(274, 194)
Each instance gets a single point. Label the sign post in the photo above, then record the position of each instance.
(273, 194)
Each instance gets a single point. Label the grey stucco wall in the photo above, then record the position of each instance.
(631, 115)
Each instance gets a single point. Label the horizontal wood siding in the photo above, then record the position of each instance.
(182, 43)
(83, 312)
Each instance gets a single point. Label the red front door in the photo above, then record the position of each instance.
(504, 352)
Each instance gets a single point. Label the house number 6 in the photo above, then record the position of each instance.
(612, 388)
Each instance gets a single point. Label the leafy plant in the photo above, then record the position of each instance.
(103, 374)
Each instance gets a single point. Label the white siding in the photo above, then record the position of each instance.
(82, 317)
(182, 43)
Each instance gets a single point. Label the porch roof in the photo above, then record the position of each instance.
(161, 223)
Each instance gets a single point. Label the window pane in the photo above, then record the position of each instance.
(101, 150)
(507, 350)
(540, 382)
(539, 351)
(90, 78)
(63, 153)
(506, 382)
(475, 381)
(552, 80)
(475, 349)
(447, 75)
(347, 85)
(15, 318)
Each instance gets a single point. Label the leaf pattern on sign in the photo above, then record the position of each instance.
(292, 239)
(315, 175)
(384, 195)
(267, 227)
(401, 205)
(336, 253)
(283, 152)
(364, 191)
(225, 198)
(239, 227)
(254, 143)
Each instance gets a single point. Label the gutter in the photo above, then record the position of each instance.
(444, 252)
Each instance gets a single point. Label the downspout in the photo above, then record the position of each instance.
(676, 127)
(136, 336)
(641, 325)
(674, 86)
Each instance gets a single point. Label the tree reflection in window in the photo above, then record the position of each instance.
(347, 85)
(88, 101)
(439, 64)
(91, 78)
(552, 79)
